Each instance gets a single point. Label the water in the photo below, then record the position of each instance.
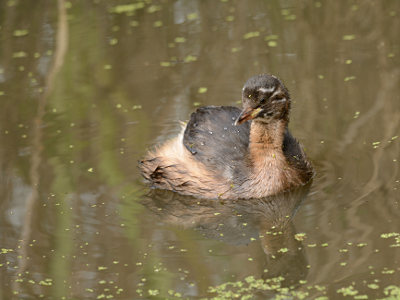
(87, 87)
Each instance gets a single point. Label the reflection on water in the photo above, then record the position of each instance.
(87, 87)
(268, 220)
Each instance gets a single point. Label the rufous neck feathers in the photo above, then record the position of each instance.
(267, 135)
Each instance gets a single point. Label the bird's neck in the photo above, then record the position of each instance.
(267, 136)
(267, 160)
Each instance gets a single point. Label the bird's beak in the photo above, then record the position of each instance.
(247, 114)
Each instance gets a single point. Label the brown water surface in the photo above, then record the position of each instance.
(86, 87)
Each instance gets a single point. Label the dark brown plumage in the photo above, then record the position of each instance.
(227, 153)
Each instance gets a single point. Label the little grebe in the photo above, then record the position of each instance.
(220, 155)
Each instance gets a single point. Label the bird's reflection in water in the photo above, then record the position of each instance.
(238, 222)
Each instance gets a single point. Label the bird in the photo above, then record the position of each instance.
(225, 152)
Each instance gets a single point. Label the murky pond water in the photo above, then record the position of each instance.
(86, 87)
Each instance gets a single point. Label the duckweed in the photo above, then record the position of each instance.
(348, 37)
(348, 78)
(180, 39)
(272, 43)
(21, 32)
(347, 291)
(251, 34)
(192, 16)
(300, 236)
(153, 8)
(393, 291)
(20, 54)
(158, 24)
(127, 8)
(190, 58)
(390, 234)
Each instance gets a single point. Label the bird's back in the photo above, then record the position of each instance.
(214, 140)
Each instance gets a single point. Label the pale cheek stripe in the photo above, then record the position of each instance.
(278, 91)
(264, 90)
